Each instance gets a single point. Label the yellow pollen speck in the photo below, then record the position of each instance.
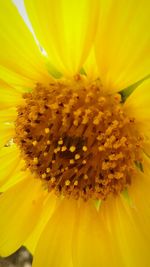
(72, 148)
(72, 161)
(85, 177)
(48, 142)
(53, 179)
(75, 122)
(78, 112)
(85, 119)
(77, 156)
(110, 176)
(96, 121)
(48, 170)
(35, 160)
(101, 148)
(34, 143)
(99, 137)
(47, 130)
(67, 183)
(57, 149)
(84, 162)
(60, 142)
(101, 100)
(43, 175)
(84, 148)
(45, 154)
(64, 148)
(118, 175)
(76, 183)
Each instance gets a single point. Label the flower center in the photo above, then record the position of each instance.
(77, 139)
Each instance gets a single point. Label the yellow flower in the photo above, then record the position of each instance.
(75, 132)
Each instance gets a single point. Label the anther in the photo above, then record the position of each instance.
(84, 148)
(101, 148)
(67, 183)
(48, 170)
(77, 156)
(76, 183)
(35, 160)
(85, 176)
(60, 142)
(47, 130)
(43, 175)
(75, 122)
(64, 148)
(34, 143)
(53, 179)
(72, 148)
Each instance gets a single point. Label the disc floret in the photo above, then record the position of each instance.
(77, 139)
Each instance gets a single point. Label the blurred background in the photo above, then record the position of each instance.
(21, 258)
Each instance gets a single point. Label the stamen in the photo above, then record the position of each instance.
(72, 148)
(77, 139)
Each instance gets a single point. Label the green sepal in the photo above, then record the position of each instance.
(139, 165)
(126, 92)
(127, 197)
(97, 204)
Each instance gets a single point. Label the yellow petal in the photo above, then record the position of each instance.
(15, 80)
(12, 167)
(91, 240)
(123, 41)
(126, 230)
(9, 160)
(48, 209)
(137, 105)
(16, 176)
(7, 115)
(146, 145)
(9, 96)
(54, 246)
(20, 209)
(90, 66)
(6, 133)
(7, 118)
(18, 50)
(139, 193)
(66, 31)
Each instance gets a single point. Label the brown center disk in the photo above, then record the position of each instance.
(77, 139)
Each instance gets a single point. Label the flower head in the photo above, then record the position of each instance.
(75, 145)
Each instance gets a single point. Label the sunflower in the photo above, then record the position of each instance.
(75, 132)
